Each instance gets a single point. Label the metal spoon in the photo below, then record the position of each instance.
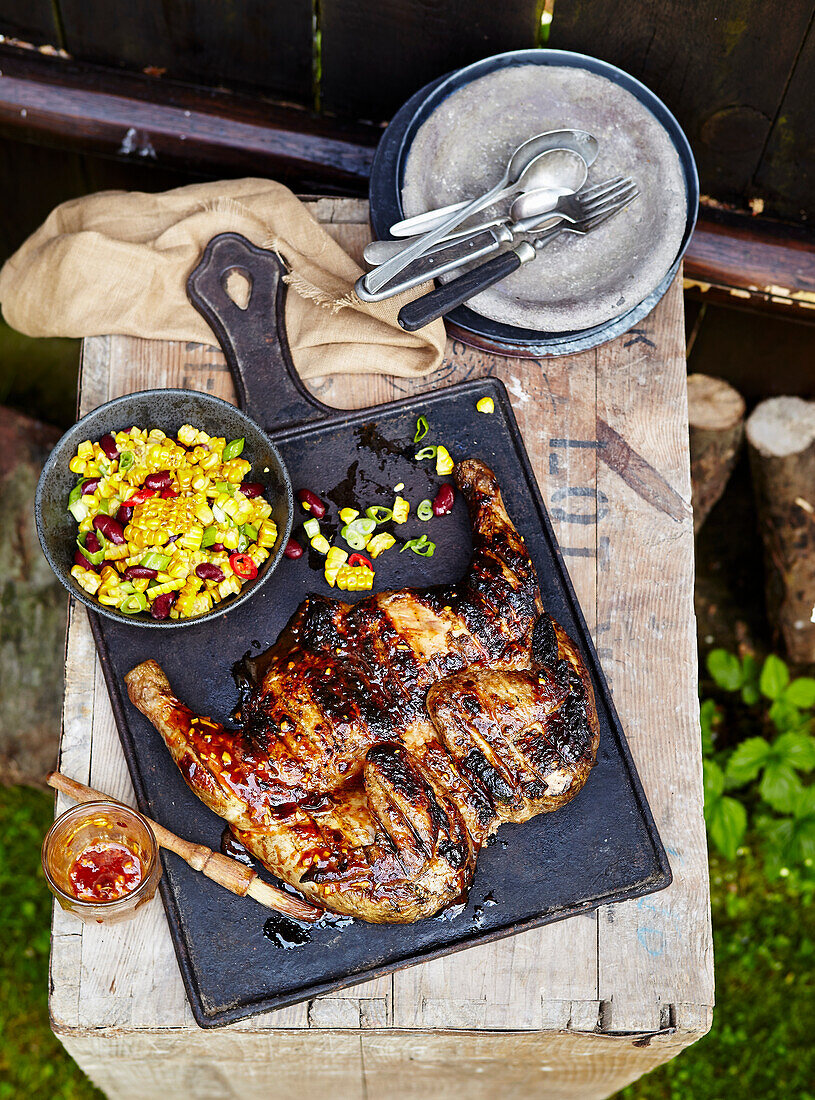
(571, 141)
(550, 176)
(368, 284)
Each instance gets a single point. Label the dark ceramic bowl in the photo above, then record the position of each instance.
(168, 410)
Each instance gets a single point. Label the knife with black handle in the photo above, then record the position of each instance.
(422, 311)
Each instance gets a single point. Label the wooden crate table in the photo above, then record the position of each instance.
(576, 1009)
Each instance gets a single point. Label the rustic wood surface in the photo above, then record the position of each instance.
(574, 1009)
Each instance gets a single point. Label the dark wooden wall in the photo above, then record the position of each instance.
(739, 74)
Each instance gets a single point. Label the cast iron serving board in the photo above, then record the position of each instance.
(600, 848)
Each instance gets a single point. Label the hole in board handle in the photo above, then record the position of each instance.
(237, 285)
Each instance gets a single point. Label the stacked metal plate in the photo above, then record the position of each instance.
(451, 141)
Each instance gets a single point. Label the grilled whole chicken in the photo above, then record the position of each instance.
(388, 738)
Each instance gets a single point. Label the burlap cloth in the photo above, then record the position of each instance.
(117, 263)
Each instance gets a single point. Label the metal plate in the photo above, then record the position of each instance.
(600, 848)
(387, 177)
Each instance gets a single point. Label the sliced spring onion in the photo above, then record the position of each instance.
(225, 487)
(153, 560)
(358, 532)
(243, 542)
(425, 510)
(426, 452)
(421, 546)
(133, 604)
(355, 539)
(250, 531)
(233, 449)
(98, 556)
(311, 527)
(76, 492)
(379, 514)
(422, 428)
(209, 536)
(221, 515)
(126, 460)
(78, 510)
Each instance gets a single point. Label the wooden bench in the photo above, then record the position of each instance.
(575, 1009)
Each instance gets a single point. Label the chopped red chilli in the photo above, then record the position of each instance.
(360, 559)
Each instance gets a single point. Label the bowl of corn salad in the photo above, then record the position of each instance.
(164, 508)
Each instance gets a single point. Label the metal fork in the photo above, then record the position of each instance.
(422, 311)
(378, 252)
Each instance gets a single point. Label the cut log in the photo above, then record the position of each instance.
(33, 608)
(716, 417)
(781, 438)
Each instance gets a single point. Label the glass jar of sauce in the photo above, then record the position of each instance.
(101, 861)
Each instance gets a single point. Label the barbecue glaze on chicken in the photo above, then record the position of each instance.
(388, 738)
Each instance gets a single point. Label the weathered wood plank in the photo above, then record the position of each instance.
(373, 1065)
(717, 65)
(243, 43)
(662, 943)
(786, 174)
(375, 56)
(31, 21)
(165, 124)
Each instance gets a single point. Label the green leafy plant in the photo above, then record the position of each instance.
(758, 781)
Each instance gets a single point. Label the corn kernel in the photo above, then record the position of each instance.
(401, 510)
(86, 579)
(485, 405)
(444, 463)
(348, 515)
(77, 465)
(379, 543)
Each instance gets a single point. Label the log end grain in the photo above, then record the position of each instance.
(782, 426)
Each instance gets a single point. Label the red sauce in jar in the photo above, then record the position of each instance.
(105, 871)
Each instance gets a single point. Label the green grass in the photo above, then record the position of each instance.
(760, 1046)
(33, 1064)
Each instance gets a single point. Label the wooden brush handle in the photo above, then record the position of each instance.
(226, 872)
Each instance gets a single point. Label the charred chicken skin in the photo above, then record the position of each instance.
(387, 739)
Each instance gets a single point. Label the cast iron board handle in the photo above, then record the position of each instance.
(253, 339)
(422, 311)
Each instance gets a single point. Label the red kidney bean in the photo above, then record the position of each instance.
(316, 506)
(89, 488)
(92, 543)
(209, 572)
(162, 479)
(135, 572)
(124, 514)
(110, 528)
(108, 445)
(443, 504)
(162, 604)
(217, 547)
(251, 488)
(293, 549)
(80, 559)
